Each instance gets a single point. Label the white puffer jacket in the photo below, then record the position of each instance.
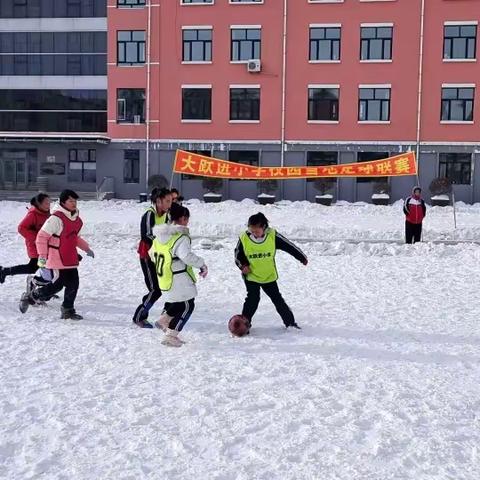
(183, 287)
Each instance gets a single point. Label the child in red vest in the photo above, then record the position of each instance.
(415, 210)
(28, 228)
(57, 244)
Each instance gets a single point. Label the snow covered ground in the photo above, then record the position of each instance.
(383, 382)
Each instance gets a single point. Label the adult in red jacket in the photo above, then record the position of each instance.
(28, 228)
(415, 210)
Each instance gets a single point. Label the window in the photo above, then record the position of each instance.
(247, 157)
(368, 157)
(320, 159)
(131, 166)
(132, 4)
(82, 166)
(53, 42)
(457, 167)
(459, 41)
(245, 104)
(457, 104)
(376, 43)
(245, 44)
(323, 103)
(197, 45)
(246, 1)
(197, 103)
(53, 121)
(130, 105)
(325, 43)
(53, 64)
(52, 9)
(190, 2)
(131, 47)
(374, 105)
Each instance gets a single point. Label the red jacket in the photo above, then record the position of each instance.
(414, 209)
(30, 226)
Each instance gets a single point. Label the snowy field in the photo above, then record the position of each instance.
(382, 383)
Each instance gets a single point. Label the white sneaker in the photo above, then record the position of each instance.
(163, 322)
(171, 339)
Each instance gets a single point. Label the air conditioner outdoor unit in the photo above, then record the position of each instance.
(254, 65)
(137, 119)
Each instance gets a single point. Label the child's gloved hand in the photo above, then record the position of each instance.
(90, 253)
(305, 262)
(203, 271)
(41, 262)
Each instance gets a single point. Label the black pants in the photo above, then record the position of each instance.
(67, 278)
(154, 292)
(271, 289)
(413, 232)
(28, 268)
(181, 312)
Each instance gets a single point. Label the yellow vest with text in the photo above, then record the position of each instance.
(261, 257)
(159, 219)
(163, 259)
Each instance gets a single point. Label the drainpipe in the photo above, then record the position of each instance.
(284, 78)
(420, 90)
(147, 99)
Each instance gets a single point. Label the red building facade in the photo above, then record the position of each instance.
(293, 82)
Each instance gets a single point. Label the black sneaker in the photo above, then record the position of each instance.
(294, 325)
(25, 302)
(3, 274)
(70, 314)
(142, 324)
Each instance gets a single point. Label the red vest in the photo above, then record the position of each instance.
(68, 239)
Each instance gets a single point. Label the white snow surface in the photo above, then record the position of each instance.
(383, 382)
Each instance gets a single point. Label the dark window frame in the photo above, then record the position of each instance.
(131, 166)
(364, 104)
(123, 45)
(452, 37)
(130, 3)
(245, 104)
(91, 159)
(238, 46)
(465, 104)
(317, 105)
(447, 163)
(334, 44)
(131, 105)
(367, 43)
(194, 107)
(206, 45)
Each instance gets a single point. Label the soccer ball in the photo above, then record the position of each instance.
(238, 325)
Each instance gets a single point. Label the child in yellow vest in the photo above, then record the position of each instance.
(255, 257)
(172, 255)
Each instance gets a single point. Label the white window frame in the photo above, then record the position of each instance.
(205, 86)
(323, 85)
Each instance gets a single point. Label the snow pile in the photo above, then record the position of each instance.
(381, 383)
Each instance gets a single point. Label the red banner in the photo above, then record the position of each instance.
(193, 164)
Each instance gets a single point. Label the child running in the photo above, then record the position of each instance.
(157, 214)
(28, 228)
(255, 257)
(172, 255)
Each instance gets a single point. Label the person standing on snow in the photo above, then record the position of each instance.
(255, 257)
(156, 214)
(415, 210)
(172, 255)
(28, 228)
(57, 243)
